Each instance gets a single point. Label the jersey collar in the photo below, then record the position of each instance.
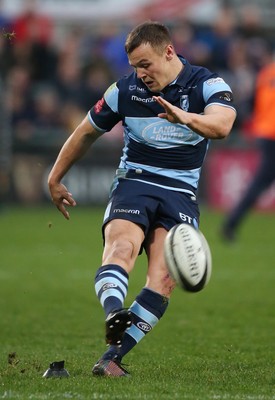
(184, 75)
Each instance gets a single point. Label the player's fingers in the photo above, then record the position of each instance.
(61, 200)
(162, 115)
(165, 104)
(69, 203)
(69, 200)
(63, 210)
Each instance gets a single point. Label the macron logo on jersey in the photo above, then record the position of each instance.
(140, 99)
(126, 211)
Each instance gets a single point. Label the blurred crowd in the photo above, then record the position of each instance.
(52, 74)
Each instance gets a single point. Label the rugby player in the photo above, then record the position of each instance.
(169, 110)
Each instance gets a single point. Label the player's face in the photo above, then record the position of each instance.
(152, 68)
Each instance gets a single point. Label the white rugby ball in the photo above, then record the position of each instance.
(188, 257)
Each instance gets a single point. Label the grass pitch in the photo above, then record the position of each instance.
(216, 344)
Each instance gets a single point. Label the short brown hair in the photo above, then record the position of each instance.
(152, 32)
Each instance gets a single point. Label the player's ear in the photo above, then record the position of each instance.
(170, 52)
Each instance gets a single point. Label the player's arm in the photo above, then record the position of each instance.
(73, 149)
(215, 123)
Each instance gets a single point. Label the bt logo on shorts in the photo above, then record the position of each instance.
(185, 218)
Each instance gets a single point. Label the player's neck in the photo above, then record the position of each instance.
(177, 68)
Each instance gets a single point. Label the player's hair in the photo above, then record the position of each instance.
(152, 32)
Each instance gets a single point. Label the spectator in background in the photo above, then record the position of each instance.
(250, 21)
(70, 86)
(240, 74)
(19, 103)
(34, 33)
(183, 34)
(68, 79)
(97, 76)
(219, 36)
(263, 128)
(46, 107)
(112, 47)
(186, 42)
(31, 26)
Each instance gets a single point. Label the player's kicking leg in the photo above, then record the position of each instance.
(122, 243)
(111, 287)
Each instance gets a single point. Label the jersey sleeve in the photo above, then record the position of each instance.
(104, 114)
(217, 91)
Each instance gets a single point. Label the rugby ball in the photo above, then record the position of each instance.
(188, 257)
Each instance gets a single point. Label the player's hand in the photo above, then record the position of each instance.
(61, 198)
(172, 113)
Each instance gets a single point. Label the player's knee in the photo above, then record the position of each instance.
(123, 250)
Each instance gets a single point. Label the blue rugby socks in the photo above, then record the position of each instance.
(111, 285)
(147, 310)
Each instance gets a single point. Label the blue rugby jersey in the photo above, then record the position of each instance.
(162, 153)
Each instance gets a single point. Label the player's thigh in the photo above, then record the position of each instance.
(123, 240)
(158, 278)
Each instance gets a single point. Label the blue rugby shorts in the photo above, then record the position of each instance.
(150, 206)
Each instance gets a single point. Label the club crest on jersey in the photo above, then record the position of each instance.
(184, 102)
